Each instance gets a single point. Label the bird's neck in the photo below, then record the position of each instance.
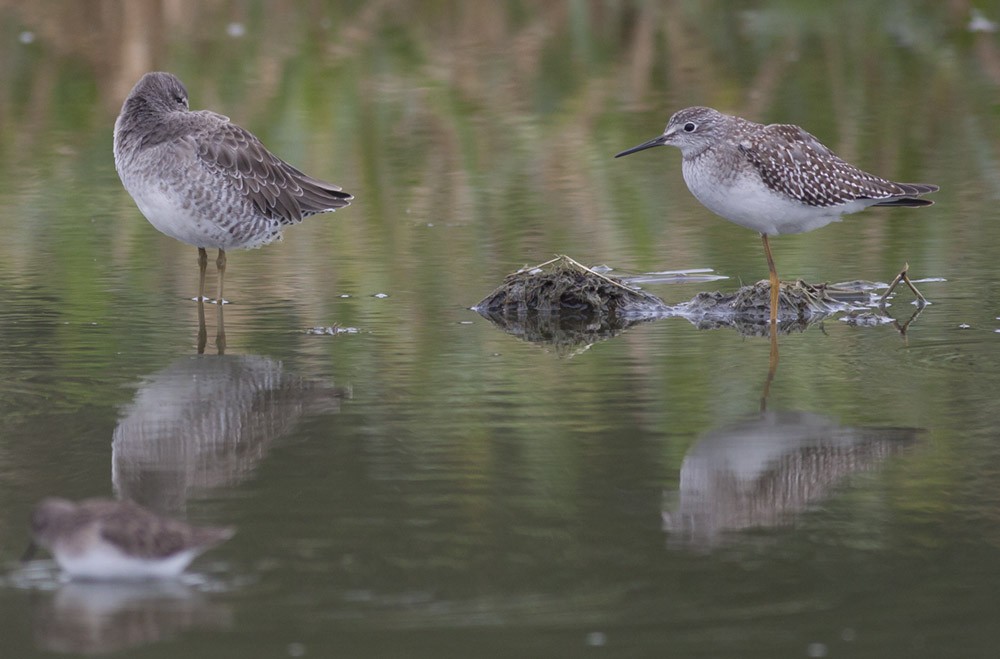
(140, 125)
(695, 154)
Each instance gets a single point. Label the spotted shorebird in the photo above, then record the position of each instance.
(773, 179)
(107, 539)
(205, 181)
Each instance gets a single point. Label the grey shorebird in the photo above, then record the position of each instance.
(107, 539)
(773, 179)
(205, 181)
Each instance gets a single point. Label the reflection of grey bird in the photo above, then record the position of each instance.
(94, 617)
(205, 181)
(106, 539)
(763, 471)
(773, 179)
(207, 421)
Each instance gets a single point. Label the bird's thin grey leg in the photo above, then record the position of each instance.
(202, 331)
(202, 265)
(220, 329)
(220, 263)
(775, 282)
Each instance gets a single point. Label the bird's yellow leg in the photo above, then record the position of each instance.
(775, 282)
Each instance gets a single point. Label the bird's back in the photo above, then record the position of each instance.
(139, 532)
(793, 163)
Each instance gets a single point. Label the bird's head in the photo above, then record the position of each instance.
(159, 92)
(692, 130)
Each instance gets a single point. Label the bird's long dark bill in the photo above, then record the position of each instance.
(30, 552)
(656, 141)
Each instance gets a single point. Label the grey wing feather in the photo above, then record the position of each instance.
(142, 534)
(276, 189)
(793, 162)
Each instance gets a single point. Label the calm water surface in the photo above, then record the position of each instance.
(422, 483)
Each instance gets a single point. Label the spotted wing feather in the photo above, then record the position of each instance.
(276, 189)
(141, 533)
(793, 162)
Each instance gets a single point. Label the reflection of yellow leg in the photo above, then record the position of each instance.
(202, 331)
(202, 265)
(220, 329)
(772, 366)
(775, 282)
(220, 263)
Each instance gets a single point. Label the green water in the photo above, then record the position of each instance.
(428, 485)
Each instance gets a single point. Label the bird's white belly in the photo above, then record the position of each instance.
(171, 218)
(104, 561)
(745, 200)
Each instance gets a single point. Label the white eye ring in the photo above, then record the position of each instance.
(690, 127)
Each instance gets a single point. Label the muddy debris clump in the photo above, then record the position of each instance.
(797, 301)
(564, 286)
(563, 302)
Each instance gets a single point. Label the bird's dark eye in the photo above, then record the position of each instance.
(179, 99)
(689, 127)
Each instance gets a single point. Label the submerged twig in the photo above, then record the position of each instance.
(905, 278)
(529, 268)
(611, 281)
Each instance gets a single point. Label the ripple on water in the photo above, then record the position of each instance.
(971, 352)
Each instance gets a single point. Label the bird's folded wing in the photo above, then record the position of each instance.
(145, 536)
(794, 163)
(276, 189)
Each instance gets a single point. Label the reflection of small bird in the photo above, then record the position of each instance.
(107, 539)
(773, 179)
(100, 617)
(205, 181)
